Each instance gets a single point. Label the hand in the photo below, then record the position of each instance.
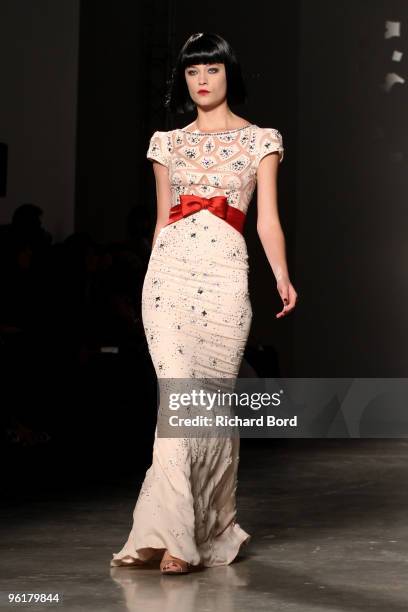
(288, 295)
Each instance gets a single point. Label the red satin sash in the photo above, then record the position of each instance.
(218, 205)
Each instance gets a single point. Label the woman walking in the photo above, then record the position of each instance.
(195, 303)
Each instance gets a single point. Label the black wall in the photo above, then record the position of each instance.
(352, 189)
(315, 71)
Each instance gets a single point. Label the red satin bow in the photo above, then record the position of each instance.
(192, 203)
(218, 205)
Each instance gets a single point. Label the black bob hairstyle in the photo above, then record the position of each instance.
(204, 48)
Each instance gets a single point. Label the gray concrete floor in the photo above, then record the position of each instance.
(328, 521)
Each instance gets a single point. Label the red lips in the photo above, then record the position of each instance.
(203, 91)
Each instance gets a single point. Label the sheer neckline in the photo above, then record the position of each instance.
(213, 133)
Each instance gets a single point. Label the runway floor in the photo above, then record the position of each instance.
(329, 527)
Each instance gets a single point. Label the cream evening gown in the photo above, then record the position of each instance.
(197, 315)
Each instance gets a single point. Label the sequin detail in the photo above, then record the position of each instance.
(197, 316)
(215, 163)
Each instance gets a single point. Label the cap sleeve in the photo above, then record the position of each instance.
(157, 149)
(270, 141)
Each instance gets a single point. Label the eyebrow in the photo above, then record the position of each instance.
(211, 64)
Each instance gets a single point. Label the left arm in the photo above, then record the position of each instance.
(270, 230)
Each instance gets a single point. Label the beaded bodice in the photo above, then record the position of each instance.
(215, 163)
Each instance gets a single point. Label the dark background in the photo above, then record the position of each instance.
(315, 71)
(83, 88)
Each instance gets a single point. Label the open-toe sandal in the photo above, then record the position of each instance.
(172, 565)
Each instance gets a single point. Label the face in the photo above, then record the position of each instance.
(209, 77)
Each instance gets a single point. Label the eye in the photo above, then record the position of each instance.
(191, 71)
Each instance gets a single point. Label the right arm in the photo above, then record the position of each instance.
(163, 196)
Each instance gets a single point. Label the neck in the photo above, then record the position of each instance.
(213, 119)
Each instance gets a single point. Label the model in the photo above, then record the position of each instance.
(195, 303)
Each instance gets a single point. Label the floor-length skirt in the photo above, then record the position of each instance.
(197, 315)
